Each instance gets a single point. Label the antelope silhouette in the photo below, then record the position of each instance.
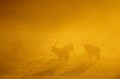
(62, 53)
(91, 50)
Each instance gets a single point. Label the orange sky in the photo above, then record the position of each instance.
(46, 14)
(56, 18)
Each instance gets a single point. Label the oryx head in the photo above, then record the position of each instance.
(85, 43)
(53, 47)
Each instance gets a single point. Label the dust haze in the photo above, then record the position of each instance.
(63, 39)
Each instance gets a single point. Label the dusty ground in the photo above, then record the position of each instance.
(47, 65)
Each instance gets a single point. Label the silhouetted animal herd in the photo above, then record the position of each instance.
(63, 53)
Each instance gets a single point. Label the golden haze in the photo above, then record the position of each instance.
(29, 28)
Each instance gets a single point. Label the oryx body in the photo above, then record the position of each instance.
(91, 50)
(62, 53)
